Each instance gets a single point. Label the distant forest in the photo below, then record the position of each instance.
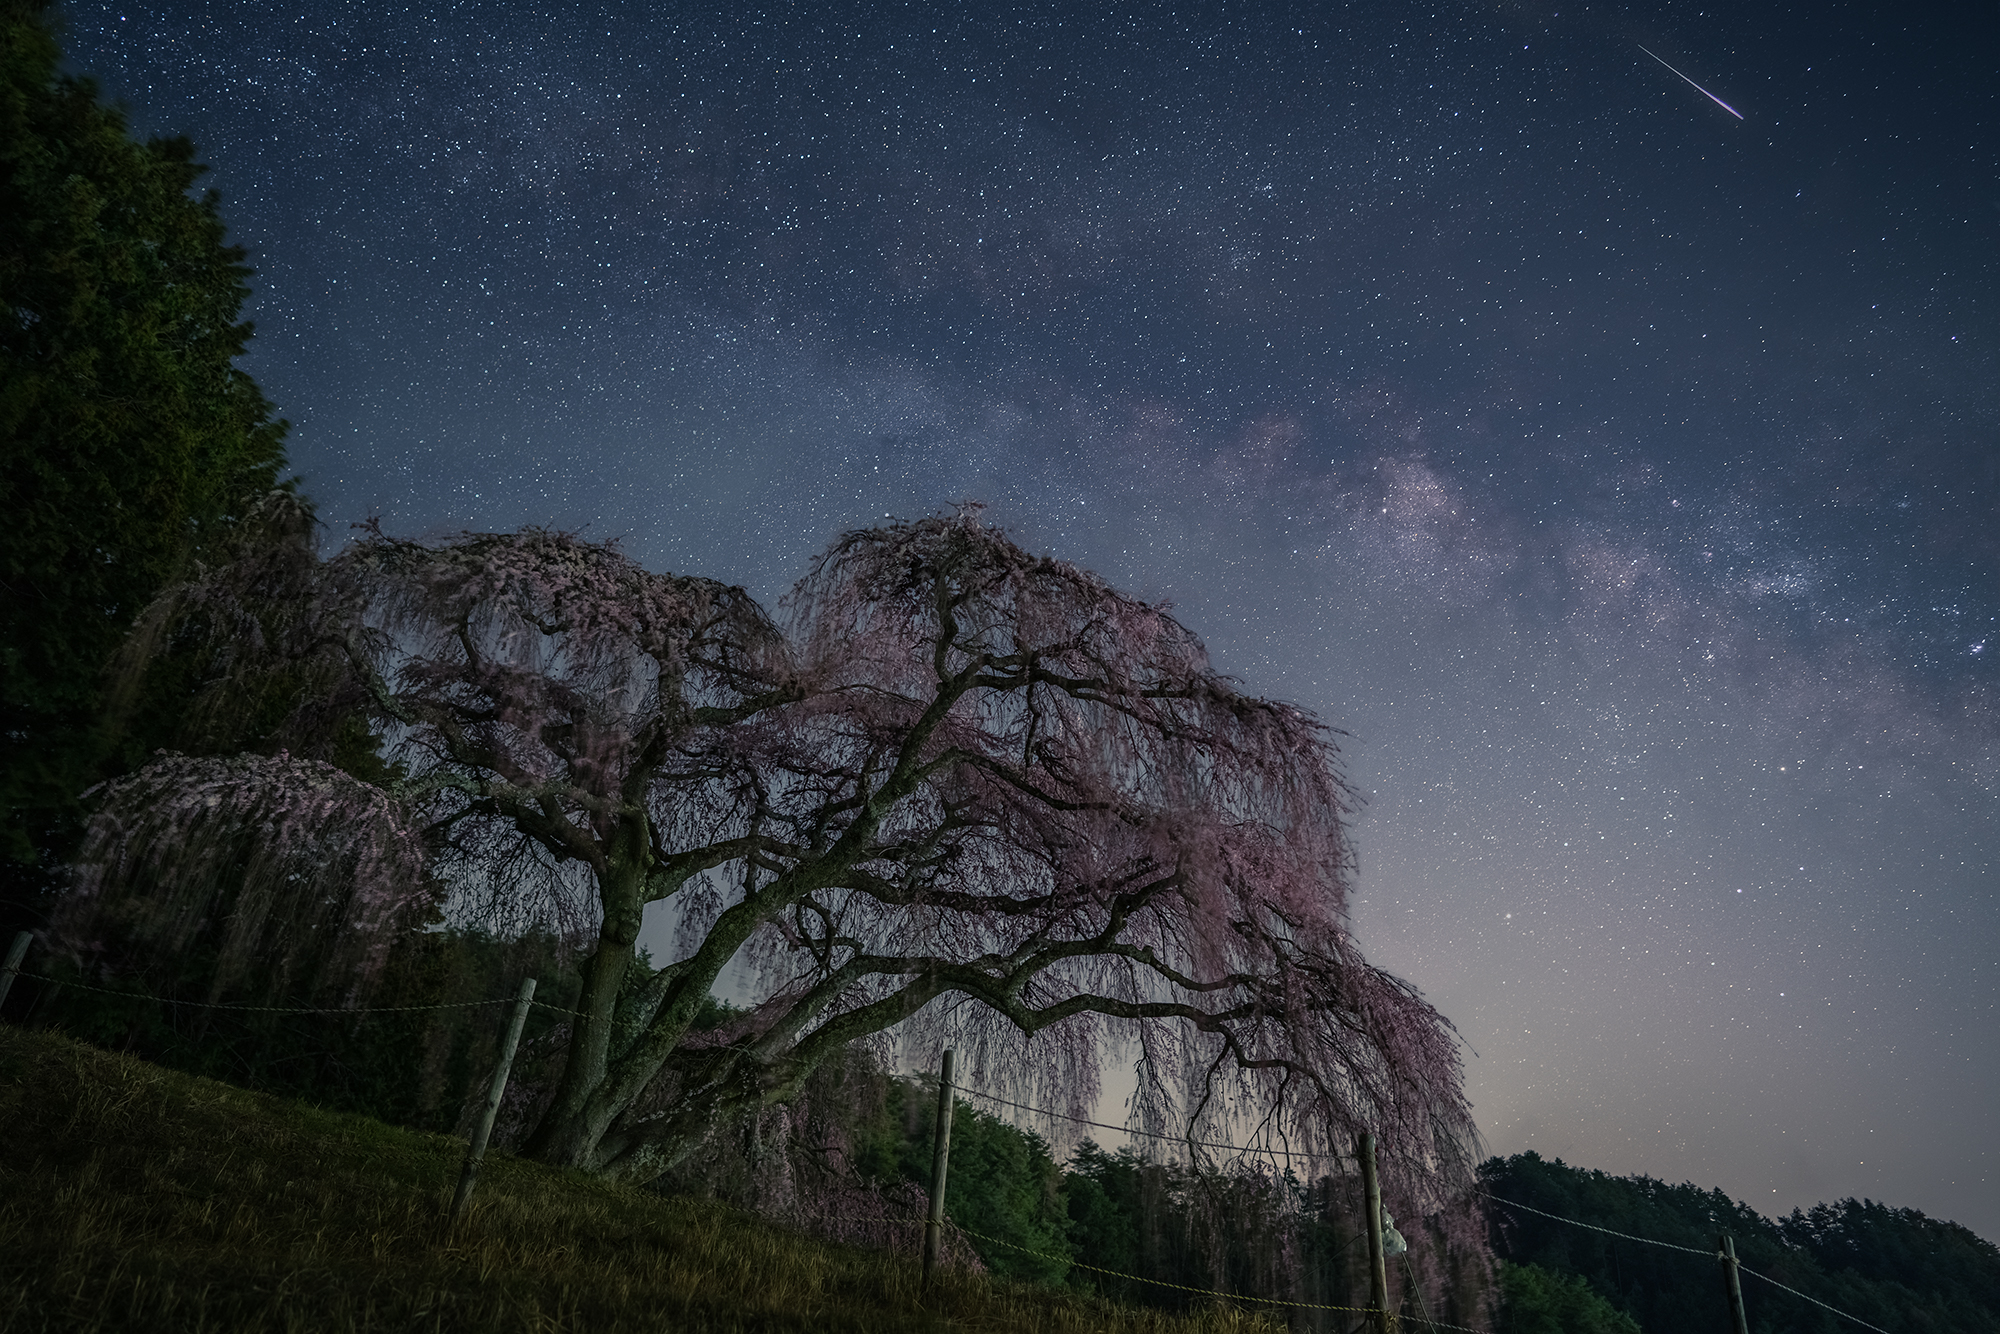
(1893, 1268)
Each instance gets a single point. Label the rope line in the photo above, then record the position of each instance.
(1136, 1278)
(794, 1220)
(1126, 1130)
(1691, 1251)
(1238, 1148)
(1595, 1228)
(1423, 1307)
(1160, 1282)
(1814, 1300)
(223, 1005)
(267, 1009)
(292, 1009)
(556, 1009)
(1210, 1144)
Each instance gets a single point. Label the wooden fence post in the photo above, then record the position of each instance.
(483, 1131)
(1732, 1282)
(15, 953)
(1378, 1266)
(940, 1164)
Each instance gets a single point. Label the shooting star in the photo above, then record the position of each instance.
(1698, 88)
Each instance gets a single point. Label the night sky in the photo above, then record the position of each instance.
(1620, 474)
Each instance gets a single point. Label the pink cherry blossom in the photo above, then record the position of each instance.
(952, 794)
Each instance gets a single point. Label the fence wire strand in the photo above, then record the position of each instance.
(962, 1230)
(1595, 1228)
(290, 1009)
(1145, 1134)
(1814, 1300)
(1691, 1251)
(1162, 1283)
(263, 1009)
(1239, 1148)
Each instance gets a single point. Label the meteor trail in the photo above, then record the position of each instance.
(1698, 88)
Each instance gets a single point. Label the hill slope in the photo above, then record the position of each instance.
(133, 1197)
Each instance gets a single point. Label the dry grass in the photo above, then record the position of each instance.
(135, 1198)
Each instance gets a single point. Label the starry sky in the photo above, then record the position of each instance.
(1620, 474)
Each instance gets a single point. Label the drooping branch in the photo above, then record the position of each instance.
(288, 869)
(954, 792)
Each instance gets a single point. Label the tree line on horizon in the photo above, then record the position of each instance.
(406, 775)
(1891, 1267)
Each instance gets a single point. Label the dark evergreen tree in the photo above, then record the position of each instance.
(1534, 1301)
(132, 442)
(1893, 1268)
(1884, 1259)
(1108, 1213)
(1003, 1187)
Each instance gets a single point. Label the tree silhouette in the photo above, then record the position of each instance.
(130, 441)
(953, 793)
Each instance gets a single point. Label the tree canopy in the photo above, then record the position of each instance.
(951, 792)
(133, 442)
(1895, 1269)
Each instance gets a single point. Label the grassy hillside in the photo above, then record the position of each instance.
(133, 1197)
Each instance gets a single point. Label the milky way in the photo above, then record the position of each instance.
(1621, 477)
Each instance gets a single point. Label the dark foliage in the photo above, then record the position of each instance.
(1003, 1185)
(1534, 1301)
(1894, 1268)
(132, 444)
(418, 1068)
(856, 1148)
(1237, 1229)
(1220, 1231)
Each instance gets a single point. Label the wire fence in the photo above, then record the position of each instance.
(1513, 1204)
(1143, 1134)
(1814, 1300)
(1178, 1287)
(1691, 1250)
(1020, 1106)
(287, 1009)
(1074, 1263)
(1668, 1245)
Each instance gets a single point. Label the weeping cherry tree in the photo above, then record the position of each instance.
(951, 793)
